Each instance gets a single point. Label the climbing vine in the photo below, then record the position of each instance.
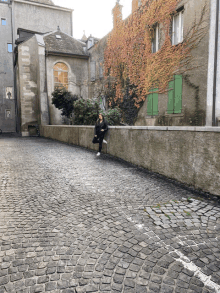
(129, 57)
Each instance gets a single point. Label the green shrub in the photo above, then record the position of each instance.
(64, 100)
(85, 112)
(113, 116)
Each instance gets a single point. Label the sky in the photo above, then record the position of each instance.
(93, 16)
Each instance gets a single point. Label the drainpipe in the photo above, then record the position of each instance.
(11, 5)
(214, 123)
(71, 20)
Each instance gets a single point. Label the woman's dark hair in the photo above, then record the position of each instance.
(98, 120)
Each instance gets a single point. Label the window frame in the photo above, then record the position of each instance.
(156, 38)
(152, 102)
(92, 70)
(8, 48)
(101, 68)
(66, 85)
(175, 94)
(179, 13)
(2, 20)
(9, 89)
(8, 110)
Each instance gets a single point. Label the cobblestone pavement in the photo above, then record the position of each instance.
(72, 222)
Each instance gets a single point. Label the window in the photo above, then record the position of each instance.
(90, 43)
(4, 0)
(152, 103)
(8, 93)
(177, 28)
(100, 68)
(7, 114)
(92, 70)
(60, 73)
(10, 48)
(3, 21)
(175, 95)
(100, 71)
(155, 40)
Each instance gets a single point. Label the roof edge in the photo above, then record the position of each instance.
(46, 5)
(54, 53)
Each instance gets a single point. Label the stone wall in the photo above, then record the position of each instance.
(96, 78)
(190, 155)
(41, 18)
(7, 106)
(27, 75)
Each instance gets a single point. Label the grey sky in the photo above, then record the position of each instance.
(93, 16)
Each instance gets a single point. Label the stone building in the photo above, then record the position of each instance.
(193, 98)
(46, 54)
(7, 97)
(21, 19)
(46, 61)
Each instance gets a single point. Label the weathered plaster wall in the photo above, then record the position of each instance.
(194, 90)
(78, 81)
(212, 66)
(6, 71)
(96, 86)
(190, 155)
(28, 84)
(40, 18)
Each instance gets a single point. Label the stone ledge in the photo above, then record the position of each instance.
(157, 128)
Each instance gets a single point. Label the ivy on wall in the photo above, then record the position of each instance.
(128, 56)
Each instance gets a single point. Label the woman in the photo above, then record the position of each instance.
(101, 127)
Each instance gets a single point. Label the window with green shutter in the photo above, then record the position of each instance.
(152, 103)
(174, 105)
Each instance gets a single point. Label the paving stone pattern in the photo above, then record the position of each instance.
(72, 222)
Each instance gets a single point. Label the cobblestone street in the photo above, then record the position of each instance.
(72, 222)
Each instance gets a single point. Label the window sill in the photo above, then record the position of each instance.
(180, 43)
(174, 115)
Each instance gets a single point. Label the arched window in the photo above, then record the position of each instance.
(60, 74)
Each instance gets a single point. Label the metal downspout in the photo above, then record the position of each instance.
(46, 87)
(215, 65)
(71, 20)
(14, 58)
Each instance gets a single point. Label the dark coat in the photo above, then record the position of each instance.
(99, 126)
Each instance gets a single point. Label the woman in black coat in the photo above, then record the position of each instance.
(101, 127)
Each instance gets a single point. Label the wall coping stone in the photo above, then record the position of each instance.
(157, 128)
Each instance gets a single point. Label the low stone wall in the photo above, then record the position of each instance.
(190, 155)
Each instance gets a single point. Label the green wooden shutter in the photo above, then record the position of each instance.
(170, 105)
(150, 104)
(178, 94)
(155, 102)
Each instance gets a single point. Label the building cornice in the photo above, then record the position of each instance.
(45, 5)
(66, 55)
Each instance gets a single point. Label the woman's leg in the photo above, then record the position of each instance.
(100, 143)
(95, 140)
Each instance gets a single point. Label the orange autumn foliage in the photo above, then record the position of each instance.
(128, 55)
